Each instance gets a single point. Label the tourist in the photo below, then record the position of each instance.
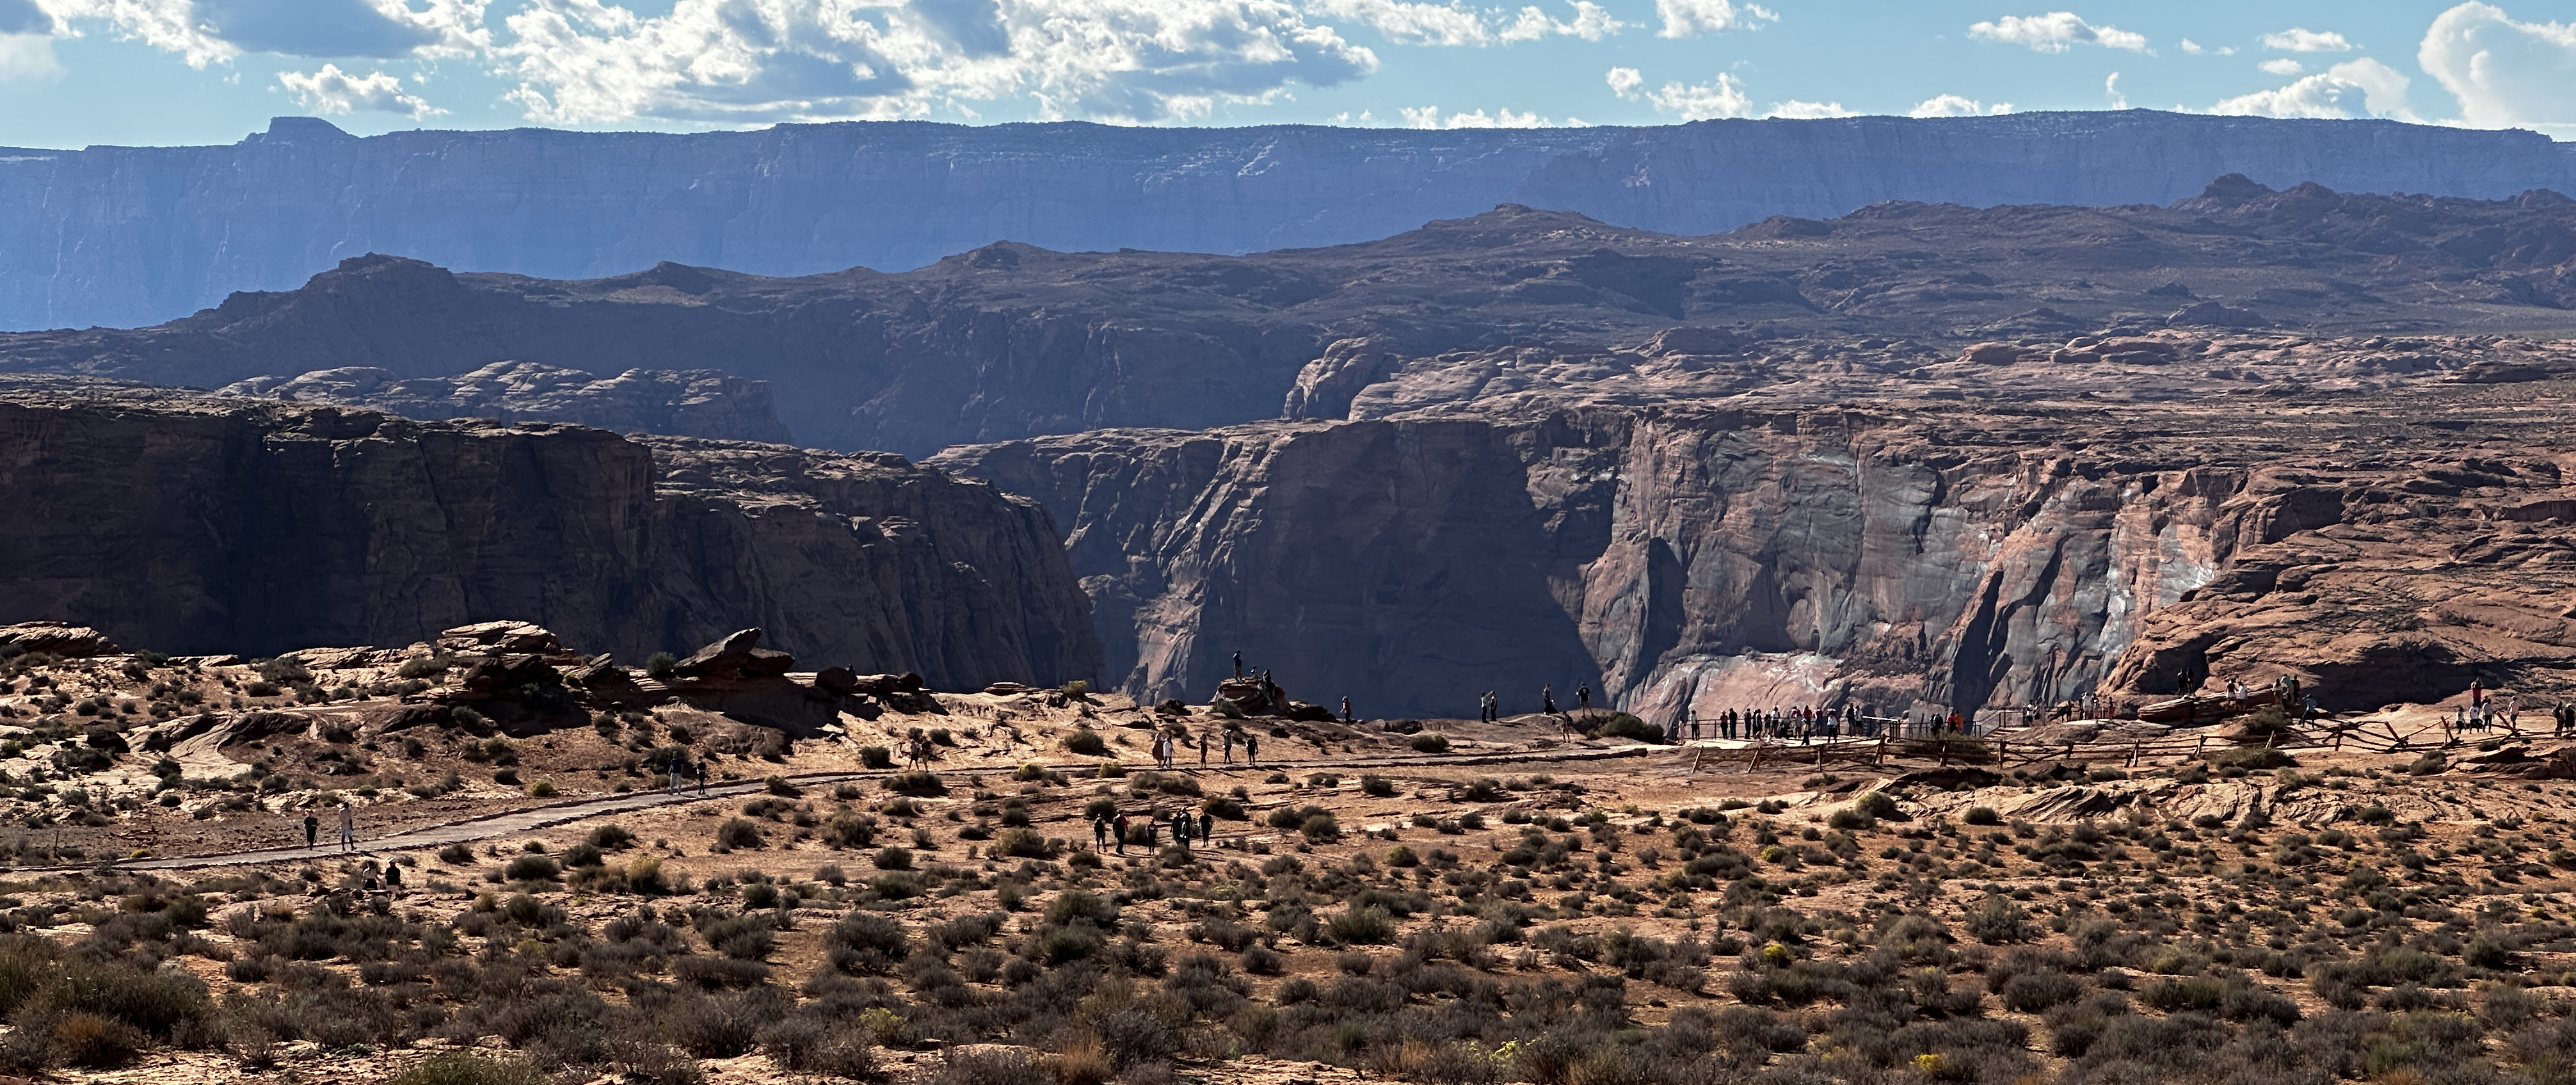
(1202, 740)
(1207, 826)
(1547, 700)
(1099, 834)
(1229, 747)
(1346, 710)
(1120, 827)
(393, 878)
(1238, 665)
(1583, 696)
(312, 830)
(1181, 828)
(1252, 749)
(348, 827)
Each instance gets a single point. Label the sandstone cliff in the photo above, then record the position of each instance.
(204, 524)
(1917, 552)
(1009, 340)
(695, 403)
(133, 235)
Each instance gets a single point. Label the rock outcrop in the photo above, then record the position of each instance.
(133, 235)
(2321, 508)
(1010, 341)
(695, 403)
(202, 524)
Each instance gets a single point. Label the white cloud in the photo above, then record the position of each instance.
(741, 61)
(27, 56)
(2299, 39)
(2111, 90)
(1412, 24)
(1952, 105)
(2504, 73)
(1429, 117)
(334, 91)
(1796, 110)
(1723, 98)
(2282, 66)
(1592, 22)
(2354, 88)
(206, 32)
(2055, 32)
(2195, 48)
(25, 18)
(1690, 18)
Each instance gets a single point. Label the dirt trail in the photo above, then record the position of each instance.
(531, 818)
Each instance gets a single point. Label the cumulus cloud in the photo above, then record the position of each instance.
(2282, 66)
(334, 91)
(1412, 24)
(2354, 88)
(2056, 32)
(1953, 105)
(2195, 48)
(213, 31)
(579, 61)
(2504, 73)
(27, 56)
(1796, 110)
(1691, 18)
(2299, 39)
(1723, 97)
(1591, 22)
(1429, 116)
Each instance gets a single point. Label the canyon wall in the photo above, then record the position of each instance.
(1694, 560)
(133, 235)
(202, 524)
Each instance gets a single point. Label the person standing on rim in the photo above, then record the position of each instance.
(1547, 700)
(1583, 697)
(1346, 710)
(1238, 664)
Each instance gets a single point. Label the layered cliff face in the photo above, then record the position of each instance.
(1917, 553)
(125, 236)
(1009, 341)
(695, 403)
(203, 524)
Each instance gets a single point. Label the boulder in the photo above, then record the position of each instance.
(1991, 354)
(603, 682)
(503, 676)
(734, 658)
(55, 638)
(496, 637)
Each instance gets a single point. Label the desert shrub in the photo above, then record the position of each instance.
(661, 665)
(2033, 992)
(1998, 921)
(738, 833)
(850, 830)
(722, 1026)
(532, 868)
(1630, 727)
(916, 783)
(2250, 758)
(1361, 926)
(711, 972)
(1984, 815)
(610, 837)
(1378, 787)
(876, 757)
(1225, 808)
(1320, 828)
(865, 941)
(896, 858)
(808, 1044)
(1023, 844)
(1085, 742)
(1431, 742)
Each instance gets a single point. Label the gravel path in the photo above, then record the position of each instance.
(531, 818)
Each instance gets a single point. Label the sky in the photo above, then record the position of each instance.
(164, 72)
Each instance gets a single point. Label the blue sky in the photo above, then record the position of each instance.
(79, 72)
